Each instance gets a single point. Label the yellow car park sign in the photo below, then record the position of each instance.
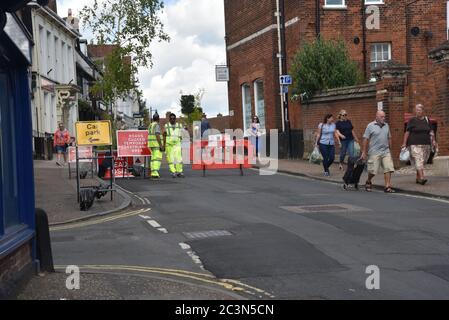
(93, 133)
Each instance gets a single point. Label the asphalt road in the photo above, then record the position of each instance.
(279, 236)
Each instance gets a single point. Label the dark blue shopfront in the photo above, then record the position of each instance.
(17, 217)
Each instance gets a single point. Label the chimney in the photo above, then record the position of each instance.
(53, 5)
(72, 21)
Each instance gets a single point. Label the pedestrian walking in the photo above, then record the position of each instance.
(378, 138)
(325, 141)
(61, 141)
(255, 135)
(420, 139)
(205, 126)
(348, 138)
(173, 146)
(155, 143)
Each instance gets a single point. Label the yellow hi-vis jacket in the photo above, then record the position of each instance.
(174, 134)
(152, 140)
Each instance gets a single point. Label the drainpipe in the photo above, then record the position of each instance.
(317, 18)
(364, 52)
(284, 67)
(279, 55)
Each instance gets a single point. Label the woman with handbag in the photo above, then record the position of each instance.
(420, 139)
(325, 141)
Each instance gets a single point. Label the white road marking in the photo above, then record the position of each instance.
(147, 200)
(145, 217)
(154, 224)
(163, 230)
(184, 246)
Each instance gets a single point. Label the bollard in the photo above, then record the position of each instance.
(43, 242)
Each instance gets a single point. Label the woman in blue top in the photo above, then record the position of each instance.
(326, 137)
(345, 131)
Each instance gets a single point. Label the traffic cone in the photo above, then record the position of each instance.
(107, 174)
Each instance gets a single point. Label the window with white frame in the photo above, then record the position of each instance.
(374, 1)
(335, 3)
(246, 104)
(260, 101)
(380, 54)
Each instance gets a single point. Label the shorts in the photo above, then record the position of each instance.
(380, 161)
(61, 149)
(419, 155)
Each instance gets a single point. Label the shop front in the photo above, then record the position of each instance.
(17, 212)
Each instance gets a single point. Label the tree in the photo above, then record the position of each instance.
(187, 104)
(322, 65)
(131, 26)
(191, 106)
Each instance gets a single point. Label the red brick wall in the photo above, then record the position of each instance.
(257, 58)
(250, 62)
(12, 265)
(440, 109)
(361, 111)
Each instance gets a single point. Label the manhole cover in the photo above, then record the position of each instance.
(325, 208)
(207, 234)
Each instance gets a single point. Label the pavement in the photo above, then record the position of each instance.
(403, 179)
(56, 194)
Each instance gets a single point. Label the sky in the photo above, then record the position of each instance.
(185, 64)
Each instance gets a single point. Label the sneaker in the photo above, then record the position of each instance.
(173, 175)
(327, 174)
(181, 175)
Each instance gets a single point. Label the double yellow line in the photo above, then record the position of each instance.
(99, 221)
(232, 285)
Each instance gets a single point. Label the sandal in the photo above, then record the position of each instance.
(389, 190)
(368, 186)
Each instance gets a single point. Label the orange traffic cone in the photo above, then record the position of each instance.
(107, 174)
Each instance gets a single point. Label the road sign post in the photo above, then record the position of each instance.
(93, 133)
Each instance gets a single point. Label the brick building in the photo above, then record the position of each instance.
(409, 30)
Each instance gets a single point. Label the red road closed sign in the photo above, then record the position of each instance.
(132, 143)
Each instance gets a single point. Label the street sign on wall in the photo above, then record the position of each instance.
(222, 73)
(286, 80)
(132, 143)
(93, 133)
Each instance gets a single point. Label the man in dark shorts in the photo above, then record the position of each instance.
(60, 142)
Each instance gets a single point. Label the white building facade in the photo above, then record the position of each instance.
(54, 72)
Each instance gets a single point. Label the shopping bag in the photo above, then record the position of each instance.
(357, 150)
(315, 156)
(404, 155)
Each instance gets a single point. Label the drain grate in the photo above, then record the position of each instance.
(335, 208)
(207, 234)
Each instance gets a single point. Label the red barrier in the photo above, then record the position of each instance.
(227, 148)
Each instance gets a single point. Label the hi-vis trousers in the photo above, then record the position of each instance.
(174, 158)
(156, 159)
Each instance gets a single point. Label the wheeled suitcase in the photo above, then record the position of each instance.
(353, 173)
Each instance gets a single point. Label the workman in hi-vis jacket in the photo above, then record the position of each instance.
(173, 146)
(156, 145)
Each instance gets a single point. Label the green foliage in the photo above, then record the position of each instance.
(187, 104)
(321, 65)
(191, 106)
(131, 26)
(118, 77)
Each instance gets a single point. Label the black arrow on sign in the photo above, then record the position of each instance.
(92, 140)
